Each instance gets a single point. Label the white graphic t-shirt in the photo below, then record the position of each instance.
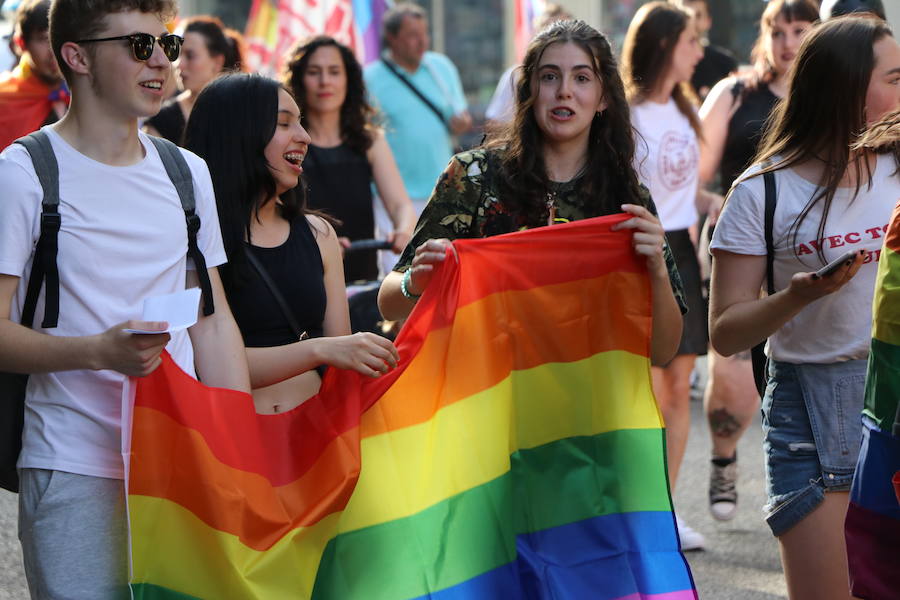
(667, 161)
(836, 327)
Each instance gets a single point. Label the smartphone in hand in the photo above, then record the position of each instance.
(844, 259)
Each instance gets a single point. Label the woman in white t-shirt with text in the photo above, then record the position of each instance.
(661, 49)
(828, 200)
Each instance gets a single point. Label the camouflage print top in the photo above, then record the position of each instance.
(466, 204)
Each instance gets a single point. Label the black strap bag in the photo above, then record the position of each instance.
(757, 353)
(44, 271)
(418, 93)
(421, 96)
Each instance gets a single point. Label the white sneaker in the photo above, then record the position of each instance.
(690, 539)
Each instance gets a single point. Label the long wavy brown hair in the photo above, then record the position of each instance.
(647, 55)
(609, 171)
(823, 122)
(357, 115)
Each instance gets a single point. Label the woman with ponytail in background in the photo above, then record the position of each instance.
(209, 49)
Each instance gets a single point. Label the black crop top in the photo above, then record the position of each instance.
(296, 267)
(339, 183)
(745, 131)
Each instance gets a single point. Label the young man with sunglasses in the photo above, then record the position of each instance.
(122, 239)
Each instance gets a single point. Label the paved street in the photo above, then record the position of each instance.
(12, 579)
(740, 563)
(741, 560)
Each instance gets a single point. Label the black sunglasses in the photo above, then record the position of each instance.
(142, 44)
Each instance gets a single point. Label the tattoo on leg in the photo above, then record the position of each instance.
(723, 424)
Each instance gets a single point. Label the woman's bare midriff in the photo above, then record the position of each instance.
(290, 393)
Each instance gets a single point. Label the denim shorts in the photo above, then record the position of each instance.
(812, 423)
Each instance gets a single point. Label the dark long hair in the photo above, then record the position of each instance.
(823, 122)
(232, 122)
(790, 11)
(609, 171)
(647, 55)
(356, 113)
(220, 41)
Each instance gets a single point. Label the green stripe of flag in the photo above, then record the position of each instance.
(559, 483)
(148, 591)
(883, 383)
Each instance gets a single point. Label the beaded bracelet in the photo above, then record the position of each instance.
(403, 286)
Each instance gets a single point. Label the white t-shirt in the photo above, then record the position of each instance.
(667, 161)
(123, 239)
(836, 327)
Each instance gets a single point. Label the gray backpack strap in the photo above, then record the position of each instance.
(44, 266)
(178, 171)
(180, 174)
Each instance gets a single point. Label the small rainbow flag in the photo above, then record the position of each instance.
(516, 452)
(873, 518)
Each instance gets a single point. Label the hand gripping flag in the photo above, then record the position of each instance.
(516, 451)
(873, 517)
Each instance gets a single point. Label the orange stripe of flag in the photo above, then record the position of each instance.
(238, 437)
(485, 347)
(529, 259)
(237, 502)
(522, 261)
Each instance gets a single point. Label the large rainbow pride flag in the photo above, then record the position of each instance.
(516, 452)
(873, 518)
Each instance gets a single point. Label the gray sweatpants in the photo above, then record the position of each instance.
(73, 534)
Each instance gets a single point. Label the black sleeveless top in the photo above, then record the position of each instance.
(169, 122)
(339, 183)
(296, 268)
(745, 131)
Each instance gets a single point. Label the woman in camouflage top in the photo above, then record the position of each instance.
(566, 156)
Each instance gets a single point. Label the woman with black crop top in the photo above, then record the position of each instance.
(248, 130)
(734, 115)
(736, 109)
(347, 153)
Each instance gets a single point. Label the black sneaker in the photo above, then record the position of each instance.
(723, 490)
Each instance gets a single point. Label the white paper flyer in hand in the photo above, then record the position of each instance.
(179, 310)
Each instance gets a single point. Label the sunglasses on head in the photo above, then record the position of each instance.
(142, 44)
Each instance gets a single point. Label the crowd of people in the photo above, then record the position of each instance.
(735, 180)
